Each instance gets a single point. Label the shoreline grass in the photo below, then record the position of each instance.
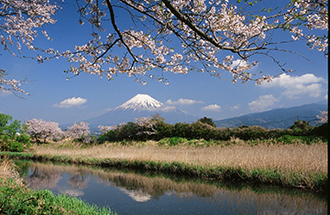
(294, 166)
(16, 198)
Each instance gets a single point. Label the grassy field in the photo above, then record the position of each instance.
(16, 198)
(291, 165)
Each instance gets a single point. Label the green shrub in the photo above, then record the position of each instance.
(127, 131)
(16, 147)
(104, 137)
(289, 139)
(300, 125)
(15, 199)
(172, 141)
(321, 131)
(208, 121)
(11, 133)
(182, 129)
(250, 132)
(300, 128)
(23, 138)
(163, 130)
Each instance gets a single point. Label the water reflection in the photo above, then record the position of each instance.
(133, 193)
(43, 178)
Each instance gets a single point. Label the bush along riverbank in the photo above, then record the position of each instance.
(316, 181)
(16, 198)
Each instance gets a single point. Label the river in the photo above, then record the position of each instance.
(132, 192)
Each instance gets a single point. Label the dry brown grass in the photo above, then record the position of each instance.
(8, 170)
(294, 157)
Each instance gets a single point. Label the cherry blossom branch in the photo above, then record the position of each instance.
(113, 21)
(12, 86)
(202, 34)
(206, 31)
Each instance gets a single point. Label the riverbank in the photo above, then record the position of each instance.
(16, 198)
(289, 165)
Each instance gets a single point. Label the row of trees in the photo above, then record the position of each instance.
(15, 136)
(48, 130)
(205, 129)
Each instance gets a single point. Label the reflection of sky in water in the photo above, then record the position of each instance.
(70, 192)
(137, 194)
(64, 186)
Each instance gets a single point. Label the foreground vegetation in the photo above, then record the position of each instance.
(16, 198)
(268, 162)
(294, 157)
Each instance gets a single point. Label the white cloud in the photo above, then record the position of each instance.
(294, 86)
(71, 102)
(168, 108)
(236, 107)
(262, 103)
(183, 102)
(313, 90)
(213, 107)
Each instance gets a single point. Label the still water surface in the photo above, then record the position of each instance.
(128, 192)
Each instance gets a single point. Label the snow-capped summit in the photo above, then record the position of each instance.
(140, 102)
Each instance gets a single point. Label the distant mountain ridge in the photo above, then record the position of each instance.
(278, 118)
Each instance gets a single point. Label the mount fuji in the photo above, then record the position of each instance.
(140, 102)
(141, 105)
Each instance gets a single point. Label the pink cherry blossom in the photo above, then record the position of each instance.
(323, 118)
(40, 129)
(205, 30)
(215, 34)
(78, 130)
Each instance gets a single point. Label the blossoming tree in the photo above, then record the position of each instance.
(222, 36)
(79, 131)
(323, 118)
(40, 129)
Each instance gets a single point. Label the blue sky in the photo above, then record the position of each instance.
(52, 97)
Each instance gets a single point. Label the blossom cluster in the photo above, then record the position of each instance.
(205, 30)
(10, 85)
(19, 22)
(316, 15)
(21, 19)
(41, 129)
(78, 130)
(214, 36)
(146, 125)
(323, 118)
